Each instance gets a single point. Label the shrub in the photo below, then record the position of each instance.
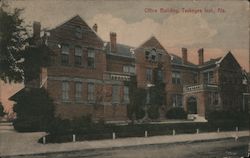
(176, 113)
(153, 112)
(234, 117)
(34, 109)
(59, 127)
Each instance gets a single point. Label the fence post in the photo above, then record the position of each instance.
(44, 140)
(74, 138)
(197, 131)
(237, 129)
(173, 132)
(146, 134)
(113, 135)
(218, 130)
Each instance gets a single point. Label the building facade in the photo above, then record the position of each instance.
(87, 75)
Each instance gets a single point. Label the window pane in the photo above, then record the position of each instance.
(78, 51)
(115, 94)
(65, 49)
(65, 90)
(149, 74)
(91, 90)
(91, 58)
(126, 94)
(78, 93)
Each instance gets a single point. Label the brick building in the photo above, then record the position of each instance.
(86, 75)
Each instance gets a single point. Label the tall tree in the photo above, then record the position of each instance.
(13, 39)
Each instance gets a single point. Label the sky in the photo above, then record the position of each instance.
(175, 24)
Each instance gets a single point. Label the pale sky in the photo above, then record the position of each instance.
(134, 22)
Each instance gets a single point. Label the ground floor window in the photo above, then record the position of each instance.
(126, 94)
(177, 100)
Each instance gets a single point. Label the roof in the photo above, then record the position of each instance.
(152, 42)
(211, 61)
(121, 50)
(178, 60)
(17, 95)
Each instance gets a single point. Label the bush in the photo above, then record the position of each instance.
(59, 127)
(228, 116)
(26, 125)
(153, 112)
(34, 109)
(176, 113)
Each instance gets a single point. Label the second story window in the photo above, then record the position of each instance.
(149, 74)
(65, 91)
(176, 77)
(159, 75)
(78, 56)
(91, 92)
(91, 58)
(208, 77)
(128, 69)
(65, 54)
(78, 91)
(177, 100)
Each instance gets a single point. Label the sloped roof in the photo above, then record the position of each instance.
(121, 50)
(178, 60)
(152, 42)
(211, 61)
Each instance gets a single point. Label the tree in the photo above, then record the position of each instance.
(13, 39)
(2, 113)
(34, 109)
(137, 97)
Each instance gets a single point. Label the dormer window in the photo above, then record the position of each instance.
(78, 32)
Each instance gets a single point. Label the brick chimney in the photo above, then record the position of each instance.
(184, 55)
(95, 27)
(113, 42)
(201, 56)
(36, 30)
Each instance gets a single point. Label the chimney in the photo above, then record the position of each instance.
(201, 56)
(95, 27)
(113, 42)
(36, 30)
(184, 55)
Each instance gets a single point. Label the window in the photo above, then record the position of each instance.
(177, 100)
(91, 58)
(78, 55)
(78, 93)
(213, 98)
(149, 74)
(159, 57)
(65, 90)
(78, 32)
(126, 94)
(208, 77)
(128, 69)
(176, 77)
(65, 54)
(195, 79)
(159, 75)
(91, 92)
(115, 94)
